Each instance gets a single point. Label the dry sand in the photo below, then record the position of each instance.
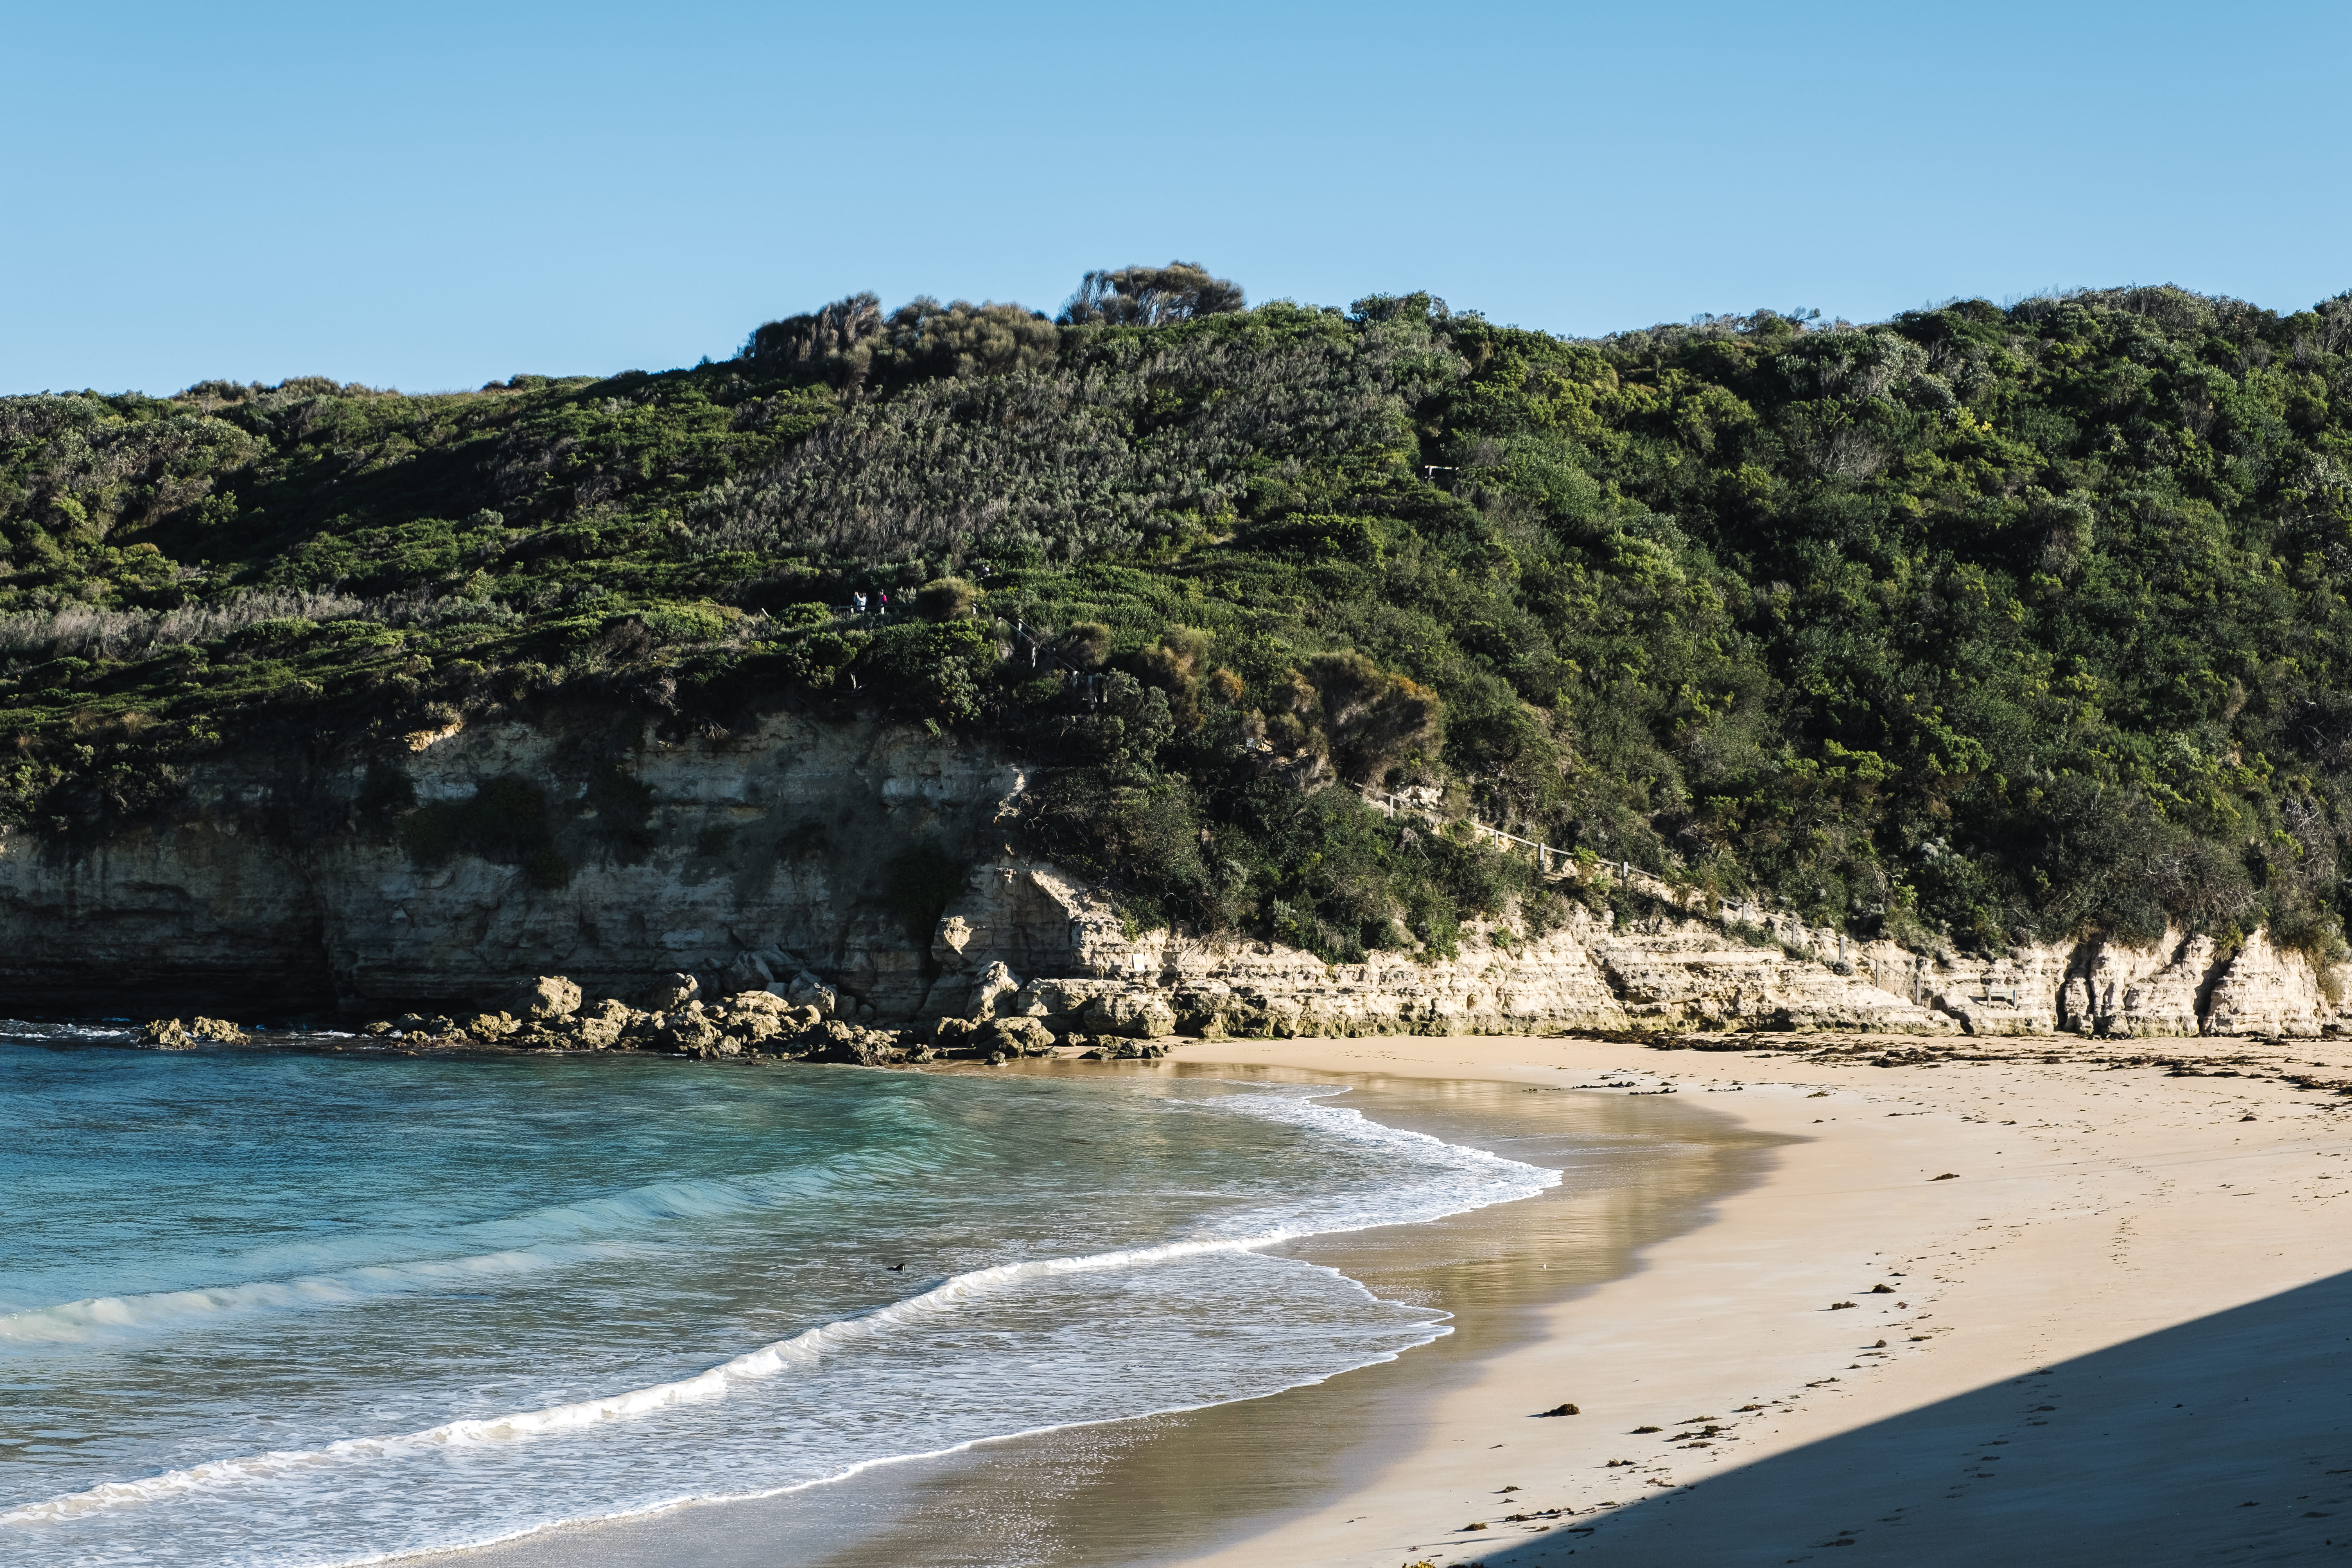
(2119, 1331)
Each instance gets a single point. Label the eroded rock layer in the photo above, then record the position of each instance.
(870, 875)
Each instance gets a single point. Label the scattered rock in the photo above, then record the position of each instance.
(548, 996)
(670, 993)
(955, 1034)
(600, 1027)
(171, 1035)
(748, 973)
(1882, 1289)
(1561, 1410)
(688, 1031)
(1949, 1176)
(1014, 1037)
(1840, 1306)
(853, 1045)
(805, 990)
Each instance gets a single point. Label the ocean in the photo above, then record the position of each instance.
(326, 1306)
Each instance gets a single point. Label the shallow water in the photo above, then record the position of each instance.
(312, 1309)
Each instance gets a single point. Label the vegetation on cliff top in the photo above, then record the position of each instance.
(1974, 625)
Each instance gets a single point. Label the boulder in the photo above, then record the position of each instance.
(1135, 1016)
(750, 971)
(599, 1028)
(753, 1018)
(805, 990)
(689, 1030)
(548, 996)
(670, 993)
(220, 1029)
(954, 1034)
(839, 1042)
(491, 1028)
(1124, 1050)
(164, 1034)
(995, 983)
(948, 942)
(1013, 1036)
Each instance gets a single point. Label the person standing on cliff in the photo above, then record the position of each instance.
(886, 602)
(860, 600)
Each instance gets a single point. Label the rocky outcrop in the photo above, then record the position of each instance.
(455, 873)
(286, 885)
(2263, 991)
(1019, 916)
(1682, 973)
(171, 1035)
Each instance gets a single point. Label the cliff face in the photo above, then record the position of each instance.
(882, 860)
(578, 849)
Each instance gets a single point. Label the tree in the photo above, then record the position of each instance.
(837, 342)
(966, 340)
(1151, 296)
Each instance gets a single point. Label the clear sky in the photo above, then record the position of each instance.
(429, 195)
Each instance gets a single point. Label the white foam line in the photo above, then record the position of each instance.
(1437, 1330)
(768, 1361)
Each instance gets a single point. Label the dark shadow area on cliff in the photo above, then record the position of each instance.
(2228, 1440)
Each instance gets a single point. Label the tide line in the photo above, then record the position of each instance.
(768, 1361)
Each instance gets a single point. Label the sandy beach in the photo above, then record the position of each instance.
(2072, 1301)
(2081, 1301)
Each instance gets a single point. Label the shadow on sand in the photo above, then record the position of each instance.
(2225, 1440)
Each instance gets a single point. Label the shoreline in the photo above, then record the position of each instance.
(1158, 1487)
(2133, 1293)
(2107, 1234)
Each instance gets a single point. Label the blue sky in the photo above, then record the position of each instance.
(430, 195)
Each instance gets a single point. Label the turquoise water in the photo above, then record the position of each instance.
(296, 1309)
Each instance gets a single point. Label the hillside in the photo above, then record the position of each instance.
(1975, 627)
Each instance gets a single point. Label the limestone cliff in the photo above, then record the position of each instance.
(439, 872)
(285, 885)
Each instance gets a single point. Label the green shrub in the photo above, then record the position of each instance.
(945, 598)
